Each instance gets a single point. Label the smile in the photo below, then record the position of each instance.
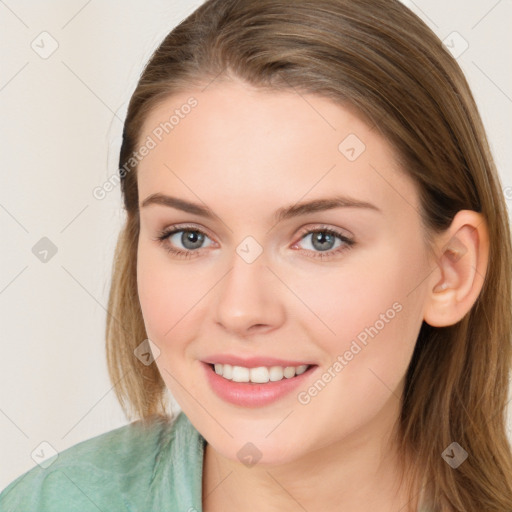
(259, 375)
(257, 386)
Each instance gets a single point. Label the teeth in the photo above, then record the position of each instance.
(259, 375)
(226, 372)
(240, 374)
(276, 373)
(301, 369)
(289, 372)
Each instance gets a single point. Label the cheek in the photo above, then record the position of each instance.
(365, 365)
(167, 297)
(370, 316)
(165, 293)
(342, 302)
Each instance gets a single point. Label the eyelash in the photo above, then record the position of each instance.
(163, 239)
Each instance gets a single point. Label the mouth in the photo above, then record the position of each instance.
(256, 386)
(259, 374)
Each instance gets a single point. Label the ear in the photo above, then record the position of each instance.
(462, 254)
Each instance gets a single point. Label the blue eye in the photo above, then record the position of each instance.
(324, 242)
(191, 240)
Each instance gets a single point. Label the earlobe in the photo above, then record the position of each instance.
(461, 267)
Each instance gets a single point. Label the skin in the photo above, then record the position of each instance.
(245, 153)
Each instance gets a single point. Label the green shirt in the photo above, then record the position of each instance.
(134, 468)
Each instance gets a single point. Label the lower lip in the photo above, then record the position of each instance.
(250, 394)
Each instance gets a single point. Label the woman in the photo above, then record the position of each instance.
(315, 263)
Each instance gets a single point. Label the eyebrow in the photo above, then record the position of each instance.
(281, 214)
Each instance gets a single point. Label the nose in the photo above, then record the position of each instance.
(249, 298)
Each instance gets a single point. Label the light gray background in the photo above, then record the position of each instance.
(60, 128)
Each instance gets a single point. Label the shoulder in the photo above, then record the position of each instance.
(129, 468)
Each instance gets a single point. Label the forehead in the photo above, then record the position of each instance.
(233, 141)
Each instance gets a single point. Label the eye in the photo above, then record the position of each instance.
(324, 242)
(183, 241)
(187, 241)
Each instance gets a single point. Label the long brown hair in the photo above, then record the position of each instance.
(379, 57)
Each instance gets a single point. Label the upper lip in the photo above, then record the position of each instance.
(252, 362)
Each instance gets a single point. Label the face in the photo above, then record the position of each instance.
(248, 277)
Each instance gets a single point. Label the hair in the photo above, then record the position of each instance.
(380, 58)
